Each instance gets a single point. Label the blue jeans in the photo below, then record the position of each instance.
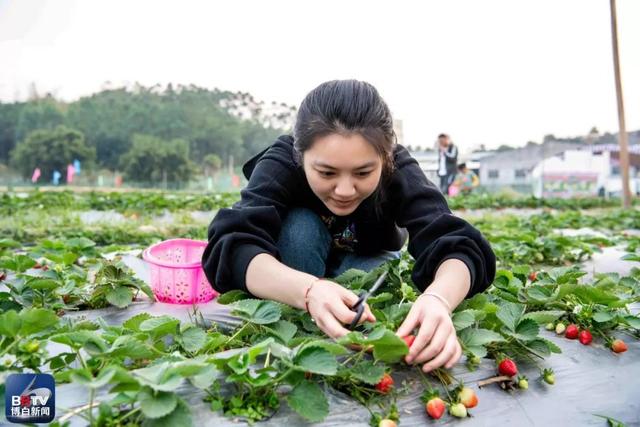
(305, 245)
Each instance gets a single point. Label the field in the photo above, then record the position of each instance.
(74, 302)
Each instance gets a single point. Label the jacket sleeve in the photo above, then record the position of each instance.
(435, 234)
(250, 227)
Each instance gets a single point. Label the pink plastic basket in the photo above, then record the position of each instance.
(176, 272)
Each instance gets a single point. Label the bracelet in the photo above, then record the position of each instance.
(441, 298)
(306, 293)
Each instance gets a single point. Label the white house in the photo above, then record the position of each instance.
(587, 172)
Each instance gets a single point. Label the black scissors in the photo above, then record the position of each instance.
(358, 307)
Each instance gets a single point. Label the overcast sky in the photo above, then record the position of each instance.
(493, 71)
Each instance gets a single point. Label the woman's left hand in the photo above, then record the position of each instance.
(436, 342)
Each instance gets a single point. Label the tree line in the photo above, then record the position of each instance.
(149, 133)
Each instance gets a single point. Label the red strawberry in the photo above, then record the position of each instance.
(435, 408)
(387, 423)
(585, 337)
(571, 332)
(507, 367)
(533, 276)
(385, 384)
(618, 346)
(409, 339)
(468, 397)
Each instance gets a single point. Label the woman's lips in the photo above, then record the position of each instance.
(341, 203)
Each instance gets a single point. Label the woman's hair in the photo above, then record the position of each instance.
(346, 107)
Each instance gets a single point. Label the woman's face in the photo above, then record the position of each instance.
(342, 171)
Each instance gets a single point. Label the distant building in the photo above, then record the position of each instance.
(589, 171)
(513, 168)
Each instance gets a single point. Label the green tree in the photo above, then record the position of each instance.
(44, 113)
(51, 149)
(212, 164)
(155, 160)
(8, 120)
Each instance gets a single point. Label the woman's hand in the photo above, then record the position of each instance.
(330, 307)
(436, 343)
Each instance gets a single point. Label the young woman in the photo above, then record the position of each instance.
(339, 194)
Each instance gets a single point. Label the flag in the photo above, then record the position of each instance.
(36, 175)
(70, 171)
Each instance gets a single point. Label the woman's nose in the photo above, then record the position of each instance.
(345, 189)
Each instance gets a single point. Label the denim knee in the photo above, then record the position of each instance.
(304, 241)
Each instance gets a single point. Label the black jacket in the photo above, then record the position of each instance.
(277, 183)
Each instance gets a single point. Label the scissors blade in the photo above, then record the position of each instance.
(359, 306)
(378, 283)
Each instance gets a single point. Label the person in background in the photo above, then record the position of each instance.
(447, 161)
(466, 180)
(341, 193)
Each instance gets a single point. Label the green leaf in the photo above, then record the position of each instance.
(316, 360)
(367, 372)
(36, 320)
(526, 330)
(631, 257)
(78, 339)
(633, 321)
(543, 347)
(381, 297)
(131, 347)
(350, 275)
(156, 404)
(479, 351)
(10, 323)
(19, 263)
(257, 311)
(478, 337)
(134, 322)
(180, 416)
(510, 313)
(332, 347)
(543, 294)
(159, 377)
(84, 377)
(589, 294)
(121, 296)
(603, 316)
(232, 296)
(308, 400)
(193, 339)
(69, 258)
(205, 379)
(42, 284)
(387, 346)
(80, 243)
(463, 319)
(283, 330)
(8, 243)
(161, 325)
(544, 317)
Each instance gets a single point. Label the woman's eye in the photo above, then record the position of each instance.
(325, 173)
(363, 174)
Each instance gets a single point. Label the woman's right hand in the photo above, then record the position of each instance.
(330, 307)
